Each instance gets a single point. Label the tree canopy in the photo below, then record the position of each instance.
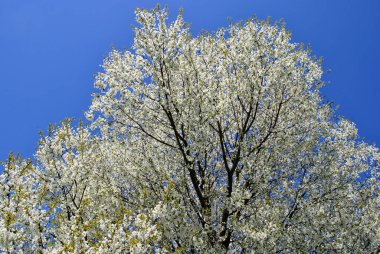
(208, 144)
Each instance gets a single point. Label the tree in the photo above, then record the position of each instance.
(209, 144)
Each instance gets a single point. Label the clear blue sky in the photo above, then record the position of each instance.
(50, 51)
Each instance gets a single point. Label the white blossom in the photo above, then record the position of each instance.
(219, 143)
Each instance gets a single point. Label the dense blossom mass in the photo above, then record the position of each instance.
(219, 143)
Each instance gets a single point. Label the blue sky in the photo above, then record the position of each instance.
(50, 51)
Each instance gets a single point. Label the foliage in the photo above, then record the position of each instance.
(209, 144)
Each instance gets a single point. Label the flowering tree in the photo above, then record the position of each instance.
(209, 144)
